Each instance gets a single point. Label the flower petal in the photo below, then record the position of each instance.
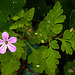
(1, 41)
(12, 40)
(11, 47)
(3, 49)
(5, 36)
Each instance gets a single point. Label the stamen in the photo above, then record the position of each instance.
(6, 42)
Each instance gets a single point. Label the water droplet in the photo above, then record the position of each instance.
(0, 11)
(37, 65)
(49, 21)
(36, 33)
(71, 29)
(42, 41)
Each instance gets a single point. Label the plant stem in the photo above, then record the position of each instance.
(30, 46)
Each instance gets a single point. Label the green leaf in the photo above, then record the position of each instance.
(67, 34)
(29, 15)
(66, 46)
(57, 6)
(68, 42)
(5, 25)
(20, 48)
(47, 71)
(20, 43)
(51, 58)
(34, 40)
(14, 73)
(60, 19)
(25, 17)
(10, 66)
(24, 55)
(33, 58)
(40, 67)
(19, 15)
(15, 17)
(57, 9)
(0, 67)
(12, 33)
(57, 28)
(37, 59)
(54, 44)
(17, 24)
(4, 57)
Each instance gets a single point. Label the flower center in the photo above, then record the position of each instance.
(6, 42)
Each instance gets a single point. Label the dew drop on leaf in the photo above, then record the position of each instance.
(36, 33)
(42, 41)
(37, 65)
(49, 21)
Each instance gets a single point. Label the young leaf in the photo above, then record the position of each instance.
(51, 58)
(68, 42)
(19, 15)
(29, 15)
(54, 44)
(25, 17)
(57, 28)
(66, 46)
(60, 19)
(57, 6)
(67, 34)
(15, 17)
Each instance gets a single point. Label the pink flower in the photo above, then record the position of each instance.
(7, 43)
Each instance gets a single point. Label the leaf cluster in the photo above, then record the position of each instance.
(23, 19)
(50, 26)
